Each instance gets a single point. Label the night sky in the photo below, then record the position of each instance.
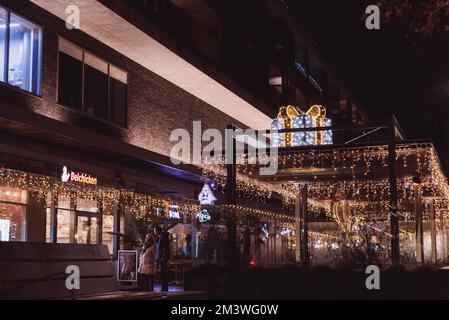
(386, 71)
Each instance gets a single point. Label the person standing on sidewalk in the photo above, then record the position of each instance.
(147, 264)
(162, 254)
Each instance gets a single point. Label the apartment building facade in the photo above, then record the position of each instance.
(97, 105)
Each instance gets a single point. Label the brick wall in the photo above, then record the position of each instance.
(155, 106)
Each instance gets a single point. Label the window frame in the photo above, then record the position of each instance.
(24, 218)
(83, 110)
(7, 53)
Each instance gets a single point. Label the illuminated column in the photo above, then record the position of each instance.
(275, 235)
(73, 225)
(433, 232)
(394, 221)
(418, 224)
(297, 228)
(99, 234)
(54, 218)
(304, 241)
(447, 242)
(193, 250)
(118, 211)
(443, 236)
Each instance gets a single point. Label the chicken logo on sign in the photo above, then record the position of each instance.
(65, 176)
(206, 196)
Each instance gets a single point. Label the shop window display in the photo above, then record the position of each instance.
(12, 214)
(81, 221)
(63, 220)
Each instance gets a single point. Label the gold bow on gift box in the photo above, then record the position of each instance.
(287, 113)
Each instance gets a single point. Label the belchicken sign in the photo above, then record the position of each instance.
(77, 177)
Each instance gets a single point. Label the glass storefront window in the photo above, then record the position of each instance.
(181, 246)
(24, 56)
(122, 231)
(93, 229)
(64, 221)
(12, 222)
(48, 223)
(63, 203)
(13, 195)
(80, 221)
(108, 228)
(2, 42)
(83, 230)
(87, 205)
(12, 214)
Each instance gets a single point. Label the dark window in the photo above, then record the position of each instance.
(95, 92)
(103, 86)
(70, 81)
(118, 102)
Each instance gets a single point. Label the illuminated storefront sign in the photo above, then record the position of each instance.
(77, 177)
(206, 196)
(173, 212)
(204, 216)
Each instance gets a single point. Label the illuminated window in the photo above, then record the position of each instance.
(108, 227)
(20, 52)
(12, 214)
(92, 85)
(3, 17)
(81, 221)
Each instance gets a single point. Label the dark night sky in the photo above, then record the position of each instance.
(384, 70)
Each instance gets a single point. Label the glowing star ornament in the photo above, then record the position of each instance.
(206, 196)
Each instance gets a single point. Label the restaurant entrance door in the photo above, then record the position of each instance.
(88, 228)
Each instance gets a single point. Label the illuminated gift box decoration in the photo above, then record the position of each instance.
(291, 117)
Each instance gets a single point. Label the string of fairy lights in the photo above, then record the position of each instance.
(42, 185)
(362, 189)
(141, 205)
(352, 203)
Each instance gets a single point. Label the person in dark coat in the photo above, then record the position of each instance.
(162, 254)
